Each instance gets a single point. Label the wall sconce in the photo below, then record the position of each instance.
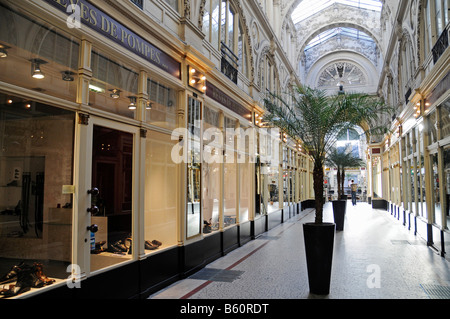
(132, 105)
(115, 93)
(36, 71)
(417, 110)
(3, 52)
(149, 105)
(196, 79)
(68, 76)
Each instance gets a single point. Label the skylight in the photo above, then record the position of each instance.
(307, 8)
(344, 31)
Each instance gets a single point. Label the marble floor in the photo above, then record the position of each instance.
(375, 257)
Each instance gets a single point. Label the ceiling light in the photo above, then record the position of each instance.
(3, 52)
(68, 76)
(132, 105)
(36, 71)
(115, 93)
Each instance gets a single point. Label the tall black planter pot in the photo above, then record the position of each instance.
(319, 245)
(339, 208)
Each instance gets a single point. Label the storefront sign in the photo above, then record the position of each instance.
(88, 14)
(219, 96)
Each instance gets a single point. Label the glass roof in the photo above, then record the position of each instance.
(349, 32)
(307, 8)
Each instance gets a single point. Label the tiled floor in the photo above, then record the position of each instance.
(375, 257)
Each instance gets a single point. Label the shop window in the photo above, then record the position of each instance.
(161, 204)
(36, 56)
(161, 108)
(36, 161)
(432, 127)
(271, 177)
(376, 177)
(446, 185)
(211, 170)
(413, 174)
(245, 189)
(423, 198)
(230, 174)
(436, 196)
(194, 166)
(113, 87)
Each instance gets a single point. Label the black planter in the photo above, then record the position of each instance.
(339, 208)
(319, 245)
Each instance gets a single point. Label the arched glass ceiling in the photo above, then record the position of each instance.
(307, 8)
(344, 31)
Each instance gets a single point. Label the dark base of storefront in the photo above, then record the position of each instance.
(140, 279)
(435, 237)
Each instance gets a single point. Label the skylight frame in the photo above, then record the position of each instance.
(334, 32)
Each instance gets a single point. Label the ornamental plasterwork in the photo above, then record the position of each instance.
(339, 15)
(366, 48)
(341, 73)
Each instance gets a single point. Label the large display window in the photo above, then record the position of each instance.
(194, 168)
(36, 56)
(211, 170)
(246, 138)
(161, 197)
(36, 162)
(230, 174)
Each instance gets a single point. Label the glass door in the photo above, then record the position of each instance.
(111, 195)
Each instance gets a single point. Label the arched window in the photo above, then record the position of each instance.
(224, 29)
(436, 18)
(427, 27)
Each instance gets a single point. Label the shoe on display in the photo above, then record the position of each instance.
(156, 243)
(150, 246)
(12, 274)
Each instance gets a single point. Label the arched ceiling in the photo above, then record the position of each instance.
(340, 24)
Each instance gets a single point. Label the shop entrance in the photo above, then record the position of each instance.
(112, 195)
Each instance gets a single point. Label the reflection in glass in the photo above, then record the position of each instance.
(162, 105)
(160, 192)
(193, 210)
(36, 160)
(211, 170)
(447, 184)
(230, 174)
(113, 86)
(27, 40)
(436, 196)
(376, 177)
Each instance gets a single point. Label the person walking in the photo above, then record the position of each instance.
(354, 187)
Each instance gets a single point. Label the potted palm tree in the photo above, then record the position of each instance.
(341, 160)
(316, 119)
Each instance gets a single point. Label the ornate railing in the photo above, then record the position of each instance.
(441, 45)
(229, 63)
